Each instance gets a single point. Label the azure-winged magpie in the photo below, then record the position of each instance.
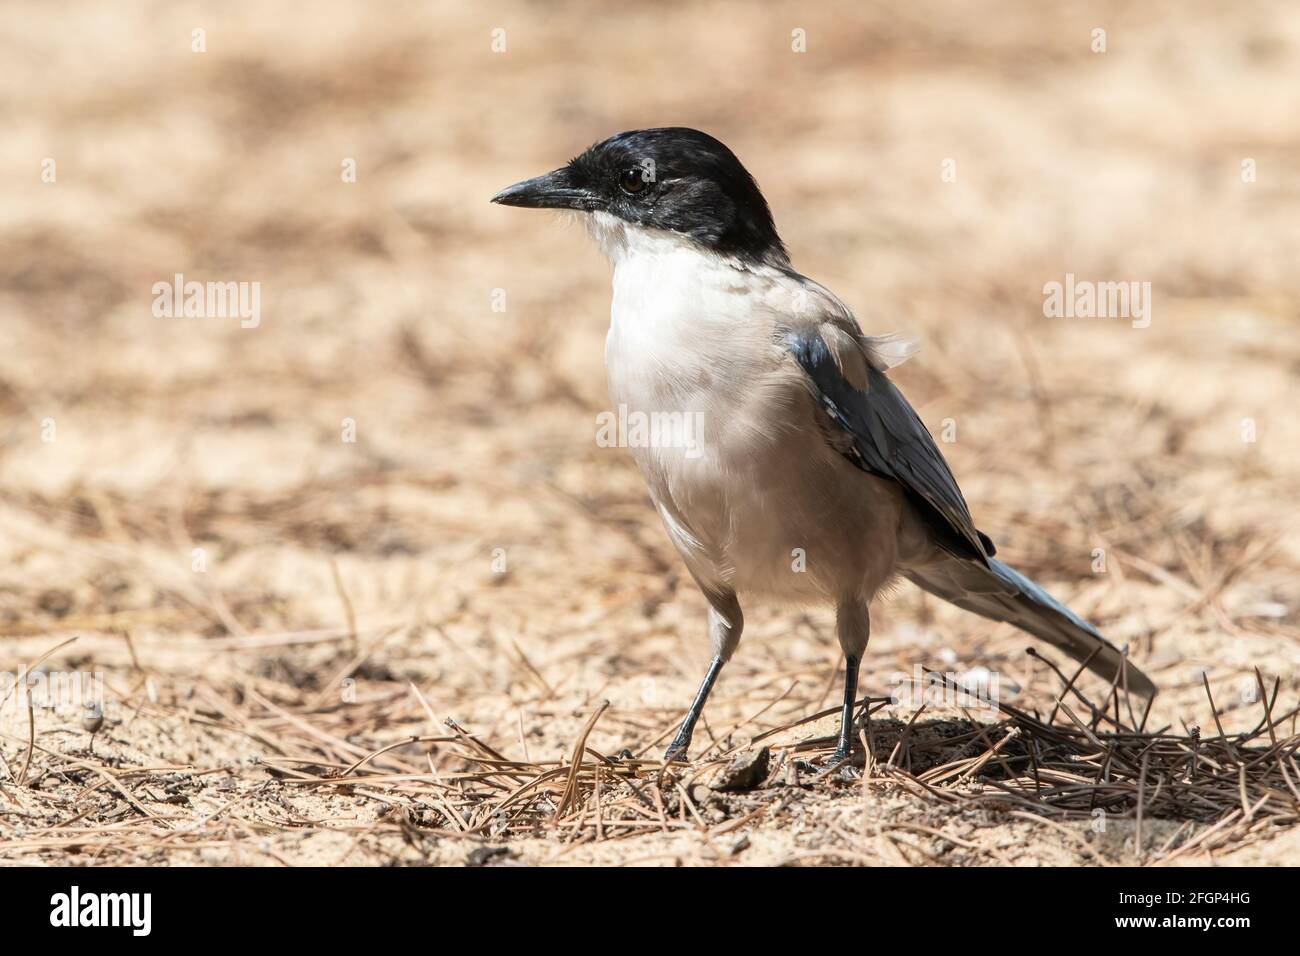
(811, 479)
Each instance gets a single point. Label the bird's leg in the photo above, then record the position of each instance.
(725, 624)
(845, 745)
(677, 749)
(853, 628)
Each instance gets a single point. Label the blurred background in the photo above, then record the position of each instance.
(190, 483)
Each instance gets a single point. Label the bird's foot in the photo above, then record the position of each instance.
(839, 756)
(677, 751)
(827, 767)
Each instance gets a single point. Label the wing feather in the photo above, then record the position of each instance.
(886, 436)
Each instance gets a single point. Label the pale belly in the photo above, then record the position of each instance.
(757, 502)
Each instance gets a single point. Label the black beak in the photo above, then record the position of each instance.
(556, 190)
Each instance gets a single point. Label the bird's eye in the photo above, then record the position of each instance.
(631, 180)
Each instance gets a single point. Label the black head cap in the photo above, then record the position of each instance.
(674, 178)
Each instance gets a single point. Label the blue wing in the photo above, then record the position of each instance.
(886, 438)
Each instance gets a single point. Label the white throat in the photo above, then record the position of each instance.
(621, 240)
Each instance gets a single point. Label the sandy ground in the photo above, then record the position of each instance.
(270, 603)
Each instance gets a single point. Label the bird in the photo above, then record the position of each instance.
(810, 479)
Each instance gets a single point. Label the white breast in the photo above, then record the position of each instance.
(694, 335)
(684, 327)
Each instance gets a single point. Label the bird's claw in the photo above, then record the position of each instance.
(839, 755)
(676, 752)
(828, 766)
